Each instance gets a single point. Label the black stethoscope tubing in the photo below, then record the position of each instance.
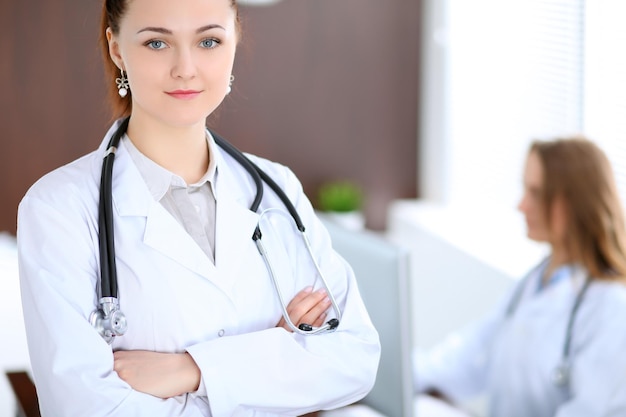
(562, 371)
(259, 176)
(108, 319)
(108, 271)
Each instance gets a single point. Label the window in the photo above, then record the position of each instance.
(501, 74)
(605, 78)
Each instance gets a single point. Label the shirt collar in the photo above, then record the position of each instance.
(159, 180)
(573, 272)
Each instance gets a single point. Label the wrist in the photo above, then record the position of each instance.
(189, 372)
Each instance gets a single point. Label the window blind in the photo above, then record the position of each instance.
(515, 74)
(605, 82)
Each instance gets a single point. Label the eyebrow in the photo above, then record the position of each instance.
(169, 32)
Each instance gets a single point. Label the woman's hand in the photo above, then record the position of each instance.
(308, 307)
(162, 375)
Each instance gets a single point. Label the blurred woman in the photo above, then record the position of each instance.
(556, 346)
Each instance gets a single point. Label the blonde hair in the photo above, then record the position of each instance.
(578, 172)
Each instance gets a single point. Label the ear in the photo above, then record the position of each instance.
(114, 49)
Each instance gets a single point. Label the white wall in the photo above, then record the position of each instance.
(462, 260)
(13, 349)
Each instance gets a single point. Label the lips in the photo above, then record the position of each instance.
(183, 94)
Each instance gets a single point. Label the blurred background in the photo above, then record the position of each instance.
(328, 88)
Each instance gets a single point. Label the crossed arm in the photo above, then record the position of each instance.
(166, 375)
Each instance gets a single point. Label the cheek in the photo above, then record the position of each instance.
(558, 228)
(141, 76)
(536, 223)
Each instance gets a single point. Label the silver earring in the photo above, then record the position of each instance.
(230, 84)
(122, 85)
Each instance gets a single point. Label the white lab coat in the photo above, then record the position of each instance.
(512, 359)
(176, 300)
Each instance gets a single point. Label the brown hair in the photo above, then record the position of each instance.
(112, 13)
(578, 172)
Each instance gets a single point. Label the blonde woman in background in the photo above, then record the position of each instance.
(557, 345)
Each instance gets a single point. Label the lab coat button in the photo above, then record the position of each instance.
(221, 333)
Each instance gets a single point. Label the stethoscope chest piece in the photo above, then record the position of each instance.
(109, 320)
(561, 375)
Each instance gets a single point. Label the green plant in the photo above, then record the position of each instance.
(339, 196)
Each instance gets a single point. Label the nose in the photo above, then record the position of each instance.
(184, 66)
(522, 205)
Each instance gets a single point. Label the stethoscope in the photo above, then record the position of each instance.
(561, 374)
(110, 321)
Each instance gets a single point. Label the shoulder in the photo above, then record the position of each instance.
(279, 173)
(272, 167)
(610, 291)
(74, 182)
(606, 300)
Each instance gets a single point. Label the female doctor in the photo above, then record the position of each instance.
(555, 346)
(200, 306)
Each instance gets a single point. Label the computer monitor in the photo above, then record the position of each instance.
(382, 273)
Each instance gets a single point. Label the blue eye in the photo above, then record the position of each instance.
(156, 44)
(209, 43)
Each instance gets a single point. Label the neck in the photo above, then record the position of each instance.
(181, 150)
(558, 258)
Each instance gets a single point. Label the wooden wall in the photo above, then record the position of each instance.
(327, 87)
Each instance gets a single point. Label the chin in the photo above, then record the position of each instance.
(537, 237)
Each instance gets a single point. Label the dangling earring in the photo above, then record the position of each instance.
(122, 85)
(230, 84)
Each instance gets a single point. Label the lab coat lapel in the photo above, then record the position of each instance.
(235, 223)
(162, 232)
(557, 296)
(233, 235)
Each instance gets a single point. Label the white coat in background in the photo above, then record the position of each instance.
(176, 300)
(512, 359)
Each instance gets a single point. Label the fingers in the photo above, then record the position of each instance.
(316, 314)
(308, 307)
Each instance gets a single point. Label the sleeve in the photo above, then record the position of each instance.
(72, 365)
(458, 366)
(290, 374)
(598, 362)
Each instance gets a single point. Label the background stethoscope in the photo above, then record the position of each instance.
(110, 321)
(561, 374)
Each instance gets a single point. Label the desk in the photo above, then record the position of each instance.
(25, 393)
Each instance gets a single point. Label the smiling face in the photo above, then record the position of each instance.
(178, 56)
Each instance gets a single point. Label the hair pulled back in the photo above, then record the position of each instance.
(112, 13)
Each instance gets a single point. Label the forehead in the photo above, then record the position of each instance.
(178, 15)
(533, 173)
